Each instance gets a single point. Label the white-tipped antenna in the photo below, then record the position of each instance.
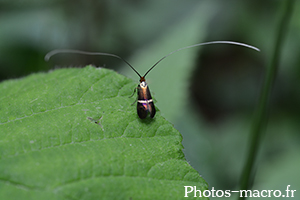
(57, 51)
(202, 44)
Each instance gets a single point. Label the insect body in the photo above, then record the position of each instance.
(145, 103)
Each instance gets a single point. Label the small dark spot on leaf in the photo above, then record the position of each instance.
(92, 120)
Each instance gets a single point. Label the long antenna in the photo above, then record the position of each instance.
(57, 51)
(201, 44)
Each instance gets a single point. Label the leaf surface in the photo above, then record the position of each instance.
(72, 134)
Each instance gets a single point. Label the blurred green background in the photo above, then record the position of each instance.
(209, 93)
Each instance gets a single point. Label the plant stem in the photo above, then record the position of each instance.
(261, 114)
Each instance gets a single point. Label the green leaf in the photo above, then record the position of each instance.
(72, 134)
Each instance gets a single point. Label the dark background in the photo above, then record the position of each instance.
(210, 97)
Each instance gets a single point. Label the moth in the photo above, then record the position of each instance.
(145, 105)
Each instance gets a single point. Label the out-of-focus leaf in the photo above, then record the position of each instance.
(169, 80)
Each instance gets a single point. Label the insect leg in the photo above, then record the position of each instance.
(132, 93)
